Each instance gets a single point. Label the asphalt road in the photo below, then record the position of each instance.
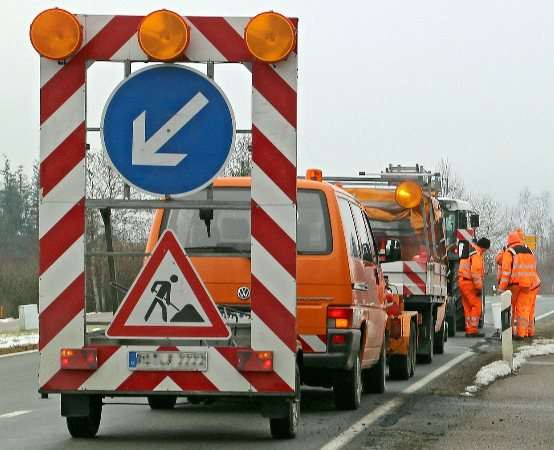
(26, 421)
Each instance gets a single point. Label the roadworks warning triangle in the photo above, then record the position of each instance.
(168, 300)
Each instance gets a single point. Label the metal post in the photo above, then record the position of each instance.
(106, 214)
(126, 74)
(210, 70)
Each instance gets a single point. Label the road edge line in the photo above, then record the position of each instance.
(544, 316)
(26, 352)
(365, 422)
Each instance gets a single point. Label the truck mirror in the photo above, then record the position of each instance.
(392, 250)
(366, 253)
(474, 220)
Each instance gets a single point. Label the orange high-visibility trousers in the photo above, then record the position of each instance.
(531, 327)
(472, 305)
(522, 299)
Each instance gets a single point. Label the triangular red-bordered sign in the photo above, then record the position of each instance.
(151, 309)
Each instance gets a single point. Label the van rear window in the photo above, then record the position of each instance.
(221, 231)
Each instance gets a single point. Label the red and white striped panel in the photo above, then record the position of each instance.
(62, 212)
(415, 278)
(463, 234)
(313, 343)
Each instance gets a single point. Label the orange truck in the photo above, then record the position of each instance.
(341, 307)
(406, 219)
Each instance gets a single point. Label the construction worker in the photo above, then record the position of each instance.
(534, 291)
(519, 275)
(470, 280)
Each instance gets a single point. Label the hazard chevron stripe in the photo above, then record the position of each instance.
(61, 211)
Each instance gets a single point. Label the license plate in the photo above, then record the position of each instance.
(152, 360)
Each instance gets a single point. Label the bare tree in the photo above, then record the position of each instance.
(240, 163)
(452, 185)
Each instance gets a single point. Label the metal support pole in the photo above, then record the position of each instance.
(106, 214)
(126, 74)
(210, 70)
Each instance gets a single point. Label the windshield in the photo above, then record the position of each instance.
(221, 231)
(450, 226)
(413, 244)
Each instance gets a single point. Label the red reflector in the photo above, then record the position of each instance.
(79, 358)
(339, 313)
(252, 361)
(338, 339)
(396, 328)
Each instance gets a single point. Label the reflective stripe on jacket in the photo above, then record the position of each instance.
(519, 266)
(472, 268)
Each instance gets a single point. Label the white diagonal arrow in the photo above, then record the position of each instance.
(144, 151)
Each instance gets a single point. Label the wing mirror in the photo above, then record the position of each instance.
(393, 251)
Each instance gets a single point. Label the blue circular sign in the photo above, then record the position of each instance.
(168, 129)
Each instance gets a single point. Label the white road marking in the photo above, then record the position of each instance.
(14, 414)
(365, 422)
(545, 315)
(18, 353)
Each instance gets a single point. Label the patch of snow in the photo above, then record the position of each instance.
(498, 369)
(9, 341)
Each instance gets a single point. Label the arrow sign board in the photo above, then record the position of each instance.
(168, 130)
(168, 300)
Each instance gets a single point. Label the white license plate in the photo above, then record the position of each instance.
(152, 360)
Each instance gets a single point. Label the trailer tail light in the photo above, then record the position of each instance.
(338, 339)
(254, 361)
(270, 37)
(56, 34)
(395, 328)
(339, 317)
(79, 358)
(163, 35)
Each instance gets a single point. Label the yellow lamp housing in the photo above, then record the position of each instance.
(408, 194)
(163, 35)
(56, 34)
(270, 37)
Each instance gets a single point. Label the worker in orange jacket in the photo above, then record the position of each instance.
(534, 291)
(471, 275)
(519, 275)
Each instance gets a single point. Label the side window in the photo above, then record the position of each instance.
(372, 247)
(349, 228)
(368, 252)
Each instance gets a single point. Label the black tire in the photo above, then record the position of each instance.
(452, 322)
(427, 358)
(86, 427)
(374, 379)
(439, 340)
(162, 401)
(413, 347)
(287, 427)
(458, 310)
(348, 387)
(400, 365)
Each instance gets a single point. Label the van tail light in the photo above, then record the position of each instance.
(339, 317)
(395, 328)
(254, 361)
(79, 358)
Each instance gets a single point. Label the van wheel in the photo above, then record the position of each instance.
(348, 387)
(86, 426)
(440, 339)
(162, 401)
(287, 427)
(374, 378)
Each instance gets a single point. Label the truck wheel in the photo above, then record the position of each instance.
(162, 401)
(86, 426)
(287, 427)
(348, 387)
(452, 321)
(427, 356)
(374, 379)
(440, 339)
(457, 296)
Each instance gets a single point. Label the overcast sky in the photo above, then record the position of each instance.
(380, 81)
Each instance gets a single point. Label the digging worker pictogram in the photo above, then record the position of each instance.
(162, 298)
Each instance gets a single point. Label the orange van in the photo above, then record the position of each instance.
(340, 287)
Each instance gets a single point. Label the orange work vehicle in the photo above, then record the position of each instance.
(341, 308)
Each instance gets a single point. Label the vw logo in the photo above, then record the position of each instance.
(243, 293)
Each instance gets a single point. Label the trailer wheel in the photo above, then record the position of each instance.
(374, 379)
(401, 366)
(348, 387)
(413, 348)
(86, 426)
(440, 339)
(162, 401)
(287, 427)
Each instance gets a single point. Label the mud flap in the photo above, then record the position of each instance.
(76, 405)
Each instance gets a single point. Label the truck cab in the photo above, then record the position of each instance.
(341, 306)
